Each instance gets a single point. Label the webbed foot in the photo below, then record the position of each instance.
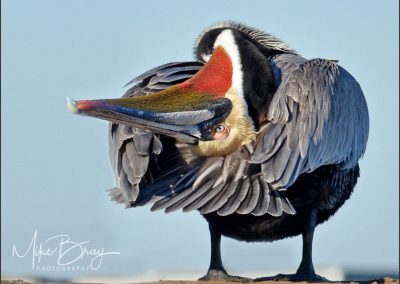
(297, 277)
(219, 275)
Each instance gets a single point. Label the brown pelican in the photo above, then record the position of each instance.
(261, 141)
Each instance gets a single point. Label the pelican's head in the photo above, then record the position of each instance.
(216, 111)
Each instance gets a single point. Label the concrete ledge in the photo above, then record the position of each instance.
(386, 280)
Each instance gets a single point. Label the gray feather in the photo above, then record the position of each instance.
(259, 206)
(219, 200)
(157, 145)
(226, 209)
(210, 192)
(145, 77)
(287, 207)
(142, 142)
(275, 204)
(252, 197)
(116, 195)
(262, 208)
(237, 198)
(179, 191)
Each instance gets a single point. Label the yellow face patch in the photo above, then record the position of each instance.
(241, 131)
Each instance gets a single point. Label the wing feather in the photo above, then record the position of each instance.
(209, 193)
(251, 200)
(263, 208)
(220, 199)
(232, 203)
(258, 209)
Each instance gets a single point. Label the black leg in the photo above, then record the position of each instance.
(216, 271)
(306, 271)
(306, 267)
(216, 261)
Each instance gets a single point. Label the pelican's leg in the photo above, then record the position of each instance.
(306, 271)
(216, 271)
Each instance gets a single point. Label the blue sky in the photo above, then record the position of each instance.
(55, 166)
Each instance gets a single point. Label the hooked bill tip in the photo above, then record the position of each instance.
(71, 105)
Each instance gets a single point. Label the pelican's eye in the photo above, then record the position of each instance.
(220, 131)
(220, 128)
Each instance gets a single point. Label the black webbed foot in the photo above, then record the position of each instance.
(220, 275)
(313, 277)
(297, 277)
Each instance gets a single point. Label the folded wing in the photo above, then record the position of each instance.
(317, 117)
